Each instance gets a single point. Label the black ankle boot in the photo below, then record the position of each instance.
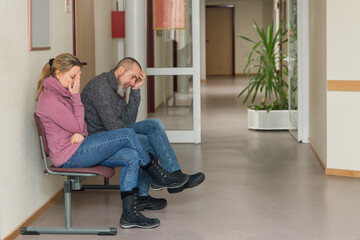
(162, 178)
(131, 217)
(148, 202)
(194, 180)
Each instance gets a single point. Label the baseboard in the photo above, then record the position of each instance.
(245, 74)
(342, 172)
(333, 171)
(342, 85)
(32, 218)
(203, 80)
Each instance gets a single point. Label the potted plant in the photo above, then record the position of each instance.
(265, 57)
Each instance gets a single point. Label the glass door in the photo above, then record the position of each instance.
(293, 62)
(174, 67)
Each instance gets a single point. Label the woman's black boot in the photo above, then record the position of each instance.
(162, 178)
(131, 217)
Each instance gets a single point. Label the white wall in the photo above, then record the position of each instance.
(24, 187)
(245, 12)
(106, 47)
(121, 41)
(318, 78)
(343, 128)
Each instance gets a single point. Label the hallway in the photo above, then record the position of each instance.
(259, 185)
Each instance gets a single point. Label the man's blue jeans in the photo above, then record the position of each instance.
(153, 137)
(115, 148)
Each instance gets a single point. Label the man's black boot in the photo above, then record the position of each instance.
(155, 188)
(194, 180)
(131, 217)
(148, 202)
(162, 178)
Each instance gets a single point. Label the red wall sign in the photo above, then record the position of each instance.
(118, 24)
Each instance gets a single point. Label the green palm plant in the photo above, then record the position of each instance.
(265, 57)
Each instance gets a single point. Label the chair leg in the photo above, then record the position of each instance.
(68, 229)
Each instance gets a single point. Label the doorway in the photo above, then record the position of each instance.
(295, 13)
(174, 68)
(220, 40)
(84, 38)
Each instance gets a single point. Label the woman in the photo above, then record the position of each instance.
(62, 114)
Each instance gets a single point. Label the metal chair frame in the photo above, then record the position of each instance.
(73, 182)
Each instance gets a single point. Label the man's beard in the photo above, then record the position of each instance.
(121, 90)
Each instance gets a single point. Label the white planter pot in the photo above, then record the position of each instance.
(273, 120)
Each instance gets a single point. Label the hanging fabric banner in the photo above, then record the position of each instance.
(169, 14)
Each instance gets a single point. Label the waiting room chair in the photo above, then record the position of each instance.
(73, 182)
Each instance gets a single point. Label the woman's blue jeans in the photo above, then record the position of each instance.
(115, 148)
(154, 140)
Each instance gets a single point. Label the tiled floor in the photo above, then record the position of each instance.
(259, 185)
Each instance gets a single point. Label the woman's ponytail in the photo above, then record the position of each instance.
(44, 74)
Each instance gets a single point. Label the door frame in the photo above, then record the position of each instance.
(232, 30)
(194, 135)
(74, 27)
(303, 71)
(301, 133)
(88, 62)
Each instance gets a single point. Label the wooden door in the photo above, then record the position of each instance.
(219, 41)
(84, 38)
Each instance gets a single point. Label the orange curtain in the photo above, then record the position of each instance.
(169, 14)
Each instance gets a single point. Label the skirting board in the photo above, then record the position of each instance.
(332, 171)
(342, 172)
(245, 74)
(343, 86)
(16, 232)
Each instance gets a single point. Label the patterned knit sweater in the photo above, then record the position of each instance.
(62, 115)
(105, 109)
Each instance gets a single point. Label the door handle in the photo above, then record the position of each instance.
(289, 59)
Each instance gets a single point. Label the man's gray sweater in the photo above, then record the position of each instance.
(105, 109)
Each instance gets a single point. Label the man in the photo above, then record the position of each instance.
(106, 109)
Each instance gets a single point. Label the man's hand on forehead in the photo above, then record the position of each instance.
(140, 80)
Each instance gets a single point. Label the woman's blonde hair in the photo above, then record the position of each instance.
(63, 62)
